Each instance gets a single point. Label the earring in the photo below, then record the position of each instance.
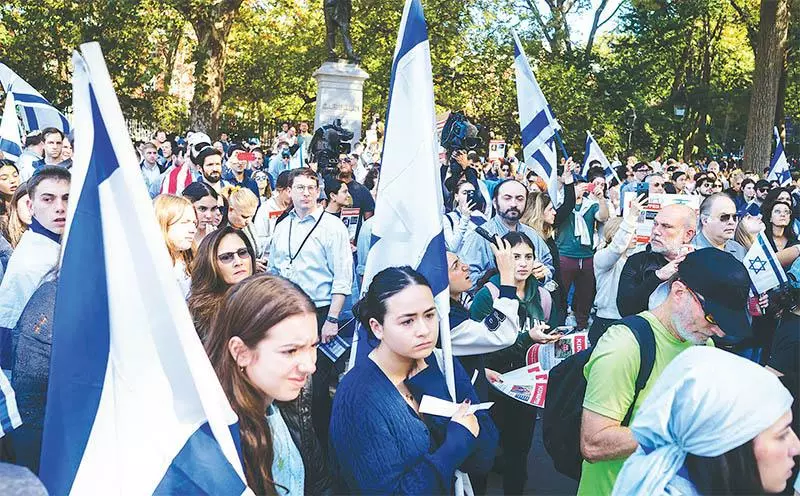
(241, 369)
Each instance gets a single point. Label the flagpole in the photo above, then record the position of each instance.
(561, 145)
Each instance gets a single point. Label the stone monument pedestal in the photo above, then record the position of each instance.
(340, 95)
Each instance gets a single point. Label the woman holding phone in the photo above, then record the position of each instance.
(514, 419)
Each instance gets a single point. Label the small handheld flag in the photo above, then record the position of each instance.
(761, 263)
(592, 154)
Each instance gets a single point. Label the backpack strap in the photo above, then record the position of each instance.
(643, 333)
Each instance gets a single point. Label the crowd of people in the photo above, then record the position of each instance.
(270, 249)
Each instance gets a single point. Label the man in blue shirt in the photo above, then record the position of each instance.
(509, 199)
(312, 249)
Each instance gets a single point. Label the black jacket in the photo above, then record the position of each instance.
(638, 281)
(297, 415)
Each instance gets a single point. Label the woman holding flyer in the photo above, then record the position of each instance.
(380, 442)
(515, 420)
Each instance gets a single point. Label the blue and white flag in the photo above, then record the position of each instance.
(536, 121)
(779, 167)
(133, 403)
(37, 112)
(593, 153)
(10, 140)
(761, 263)
(407, 227)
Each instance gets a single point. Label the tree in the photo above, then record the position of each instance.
(212, 21)
(770, 56)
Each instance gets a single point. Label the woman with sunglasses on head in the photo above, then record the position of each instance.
(379, 441)
(777, 216)
(224, 258)
(207, 206)
(263, 346)
(19, 216)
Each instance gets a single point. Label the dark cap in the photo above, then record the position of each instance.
(763, 183)
(641, 166)
(724, 284)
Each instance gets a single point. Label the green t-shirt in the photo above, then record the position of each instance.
(568, 244)
(611, 376)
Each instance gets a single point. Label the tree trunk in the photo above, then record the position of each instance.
(209, 73)
(772, 32)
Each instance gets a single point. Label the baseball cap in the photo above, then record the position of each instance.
(724, 284)
(641, 166)
(762, 183)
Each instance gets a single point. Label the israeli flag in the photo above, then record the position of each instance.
(10, 141)
(761, 263)
(779, 168)
(37, 112)
(593, 153)
(133, 404)
(536, 121)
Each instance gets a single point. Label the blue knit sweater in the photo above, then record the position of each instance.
(380, 446)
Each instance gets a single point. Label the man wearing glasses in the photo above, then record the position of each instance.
(718, 220)
(707, 297)
(312, 249)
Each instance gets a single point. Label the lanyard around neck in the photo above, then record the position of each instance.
(291, 223)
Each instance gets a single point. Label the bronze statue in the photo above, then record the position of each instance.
(337, 16)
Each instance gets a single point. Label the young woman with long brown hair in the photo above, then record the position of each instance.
(19, 216)
(178, 222)
(263, 348)
(224, 258)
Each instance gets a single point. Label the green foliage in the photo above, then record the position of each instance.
(697, 53)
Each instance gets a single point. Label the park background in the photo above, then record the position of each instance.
(670, 78)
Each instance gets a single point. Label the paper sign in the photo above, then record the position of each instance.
(431, 405)
(350, 218)
(644, 226)
(497, 149)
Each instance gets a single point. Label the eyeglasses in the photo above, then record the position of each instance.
(709, 318)
(345, 160)
(763, 190)
(227, 257)
(781, 211)
(729, 217)
(300, 188)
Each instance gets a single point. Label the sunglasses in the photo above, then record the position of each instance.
(729, 217)
(709, 318)
(763, 190)
(227, 257)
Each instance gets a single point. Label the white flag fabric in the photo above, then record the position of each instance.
(37, 112)
(133, 403)
(779, 167)
(407, 228)
(536, 121)
(761, 263)
(592, 154)
(10, 140)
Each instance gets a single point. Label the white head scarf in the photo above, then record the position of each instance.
(706, 402)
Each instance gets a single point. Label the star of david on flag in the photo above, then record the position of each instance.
(765, 271)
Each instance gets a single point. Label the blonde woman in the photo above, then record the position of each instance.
(242, 206)
(542, 217)
(178, 222)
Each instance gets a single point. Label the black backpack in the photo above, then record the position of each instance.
(566, 387)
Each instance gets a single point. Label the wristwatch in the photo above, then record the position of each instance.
(332, 320)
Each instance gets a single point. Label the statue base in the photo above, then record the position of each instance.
(340, 95)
